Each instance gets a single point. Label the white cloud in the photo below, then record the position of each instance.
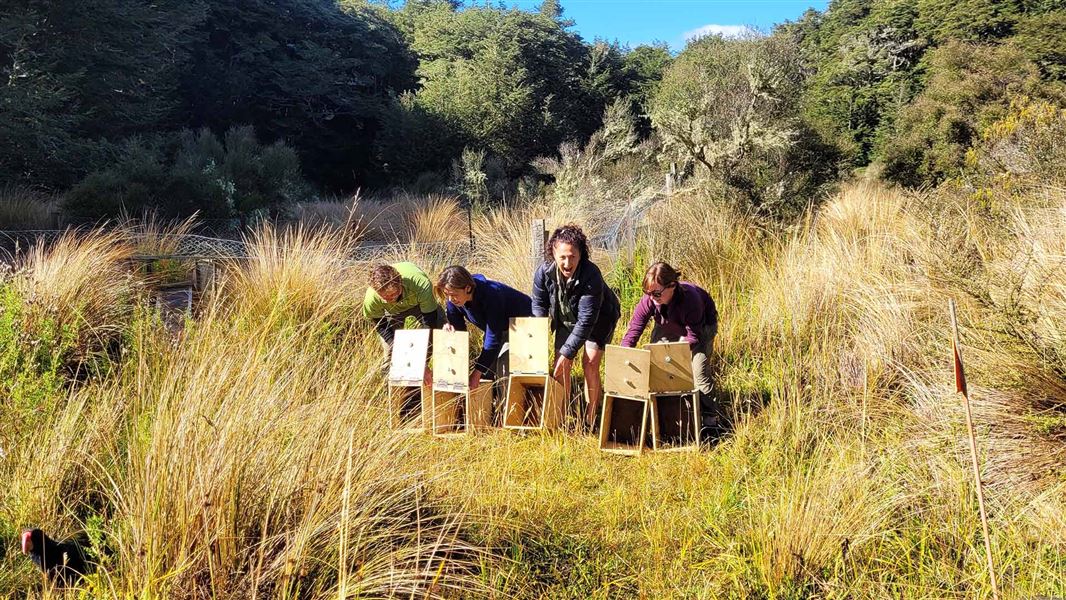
(728, 31)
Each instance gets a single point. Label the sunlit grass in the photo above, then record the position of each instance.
(248, 456)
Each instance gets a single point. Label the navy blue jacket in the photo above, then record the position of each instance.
(591, 300)
(491, 309)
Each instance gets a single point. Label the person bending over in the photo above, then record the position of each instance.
(682, 311)
(489, 305)
(398, 291)
(569, 288)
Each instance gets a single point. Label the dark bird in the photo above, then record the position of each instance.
(63, 562)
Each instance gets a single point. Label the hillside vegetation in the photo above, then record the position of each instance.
(250, 455)
(832, 183)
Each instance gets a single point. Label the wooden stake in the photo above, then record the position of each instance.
(960, 388)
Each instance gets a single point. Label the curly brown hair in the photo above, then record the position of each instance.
(567, 234)
(383, 276)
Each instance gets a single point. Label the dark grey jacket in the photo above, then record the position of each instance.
(592, 300)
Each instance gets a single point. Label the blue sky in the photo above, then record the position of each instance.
(635, 22)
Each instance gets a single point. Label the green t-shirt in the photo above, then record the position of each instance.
(417, 290)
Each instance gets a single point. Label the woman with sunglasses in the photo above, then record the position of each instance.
(682, 311)
(569, 288)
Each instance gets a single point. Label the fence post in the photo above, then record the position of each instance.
(631, 239)
(538, 236)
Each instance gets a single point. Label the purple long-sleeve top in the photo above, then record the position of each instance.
(684, 317)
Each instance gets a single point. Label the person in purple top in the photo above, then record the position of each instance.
(682, 311)
(489, 305)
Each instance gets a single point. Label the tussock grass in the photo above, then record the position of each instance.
(438, 219)
(298, 275)
(78, 285)
(248, 457)
(23, 207)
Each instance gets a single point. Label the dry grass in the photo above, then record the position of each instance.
(295, 276)
(438, 219)
(25, 208)
(79, 284)
(249, 459)
(295, 488)
(154, 236)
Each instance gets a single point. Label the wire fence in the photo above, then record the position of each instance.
(616, 235)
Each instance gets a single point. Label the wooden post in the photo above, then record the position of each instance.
(537, 238)
(960, 388)
(631, 239)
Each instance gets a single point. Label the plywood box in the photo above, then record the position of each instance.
(624, 425)
(461, 413)
(409, 398)
(628, 372)
(671, 367)
(534, 402)
(675, 419)
(409, 407)
(456, 409)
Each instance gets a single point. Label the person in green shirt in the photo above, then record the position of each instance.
(396, 292)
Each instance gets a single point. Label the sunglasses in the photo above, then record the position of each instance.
(658, 293)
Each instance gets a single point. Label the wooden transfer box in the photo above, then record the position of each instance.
(627, 401)
(624, 425)
(627, 372)
(675, 421)
(671, 367)
(456, 409)
(409, 398)
(409, 407)
(535, 400)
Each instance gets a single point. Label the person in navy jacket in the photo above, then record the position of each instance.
(489, 305)
(569, 288)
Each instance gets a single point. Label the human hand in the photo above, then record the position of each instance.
(475, 379)
(427, 377)
(448, 327)
(563, 367)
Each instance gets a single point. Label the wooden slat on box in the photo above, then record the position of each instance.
(627, 372)
(671, 367)
(529, 341)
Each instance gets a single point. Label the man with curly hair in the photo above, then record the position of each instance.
(398, 291)
(569, 288)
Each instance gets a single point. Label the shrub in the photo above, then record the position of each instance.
(969, 88)
(193, 172)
